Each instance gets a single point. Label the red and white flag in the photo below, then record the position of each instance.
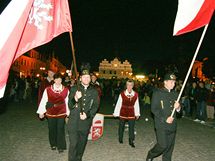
(27, 24)
(97, 128)
(193, 14)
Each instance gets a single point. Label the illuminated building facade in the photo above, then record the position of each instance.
(34, 64)
(115, 69)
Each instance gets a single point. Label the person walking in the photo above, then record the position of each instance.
(128, 110)
(162, 104)
(54, 106)
(83, 103)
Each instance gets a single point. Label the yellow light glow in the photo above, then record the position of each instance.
(140, 76)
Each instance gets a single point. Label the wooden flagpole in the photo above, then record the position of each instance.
(191, 65)
(75, 67)
(73, 56)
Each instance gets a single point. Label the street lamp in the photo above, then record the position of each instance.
(69, 72)
(42, 68)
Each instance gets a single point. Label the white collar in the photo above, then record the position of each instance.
(57, 89)
(129, 94)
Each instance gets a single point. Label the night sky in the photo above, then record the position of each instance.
(139, 31)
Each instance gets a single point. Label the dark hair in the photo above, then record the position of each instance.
(93, 74)
(58, 75)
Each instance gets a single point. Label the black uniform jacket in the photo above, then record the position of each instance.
(89, 104)
(161, 106)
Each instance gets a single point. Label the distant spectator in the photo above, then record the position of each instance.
(45, 83)
(192, 97)
(146, 100)
(201, 98)
(211, 103)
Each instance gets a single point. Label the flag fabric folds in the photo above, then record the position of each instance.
(27, 24)
(193, 14)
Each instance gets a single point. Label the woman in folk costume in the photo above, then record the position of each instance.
(54, 106)
(128, 110)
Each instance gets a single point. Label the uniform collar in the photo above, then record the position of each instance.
(85, 87)
(165, 89)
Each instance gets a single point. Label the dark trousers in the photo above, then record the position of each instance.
(131, 124)
(164, 146)
(201, 111)
(78, 141)
(57, 132)
(192, 107)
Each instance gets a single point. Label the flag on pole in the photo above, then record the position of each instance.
(97, 128)
(193, 14)
(27, 24)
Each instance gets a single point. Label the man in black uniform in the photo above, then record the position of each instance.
(83, 104)
(163, 102)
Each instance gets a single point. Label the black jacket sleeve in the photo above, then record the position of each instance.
(72, 101)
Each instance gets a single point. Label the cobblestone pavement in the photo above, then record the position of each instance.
(25, 138)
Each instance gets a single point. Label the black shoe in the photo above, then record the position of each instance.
(131, 143)
(149, 159)
(60, 151)
(53, 148)
(120, 141)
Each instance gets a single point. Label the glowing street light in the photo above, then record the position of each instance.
(140, 76)
(42, 68)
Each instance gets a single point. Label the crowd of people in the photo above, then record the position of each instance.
(62, 99)
(198, 97)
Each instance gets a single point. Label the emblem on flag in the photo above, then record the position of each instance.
(97, 128)
(33, 23)
(39, 13)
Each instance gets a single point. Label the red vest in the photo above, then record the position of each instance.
(58, 99)
(127, 109)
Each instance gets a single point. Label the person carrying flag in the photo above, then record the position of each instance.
(162, 104)
(83, 104)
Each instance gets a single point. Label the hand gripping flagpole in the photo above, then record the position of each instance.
(191, 65)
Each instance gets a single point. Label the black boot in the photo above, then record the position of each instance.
(131, 143)
(120, 141)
